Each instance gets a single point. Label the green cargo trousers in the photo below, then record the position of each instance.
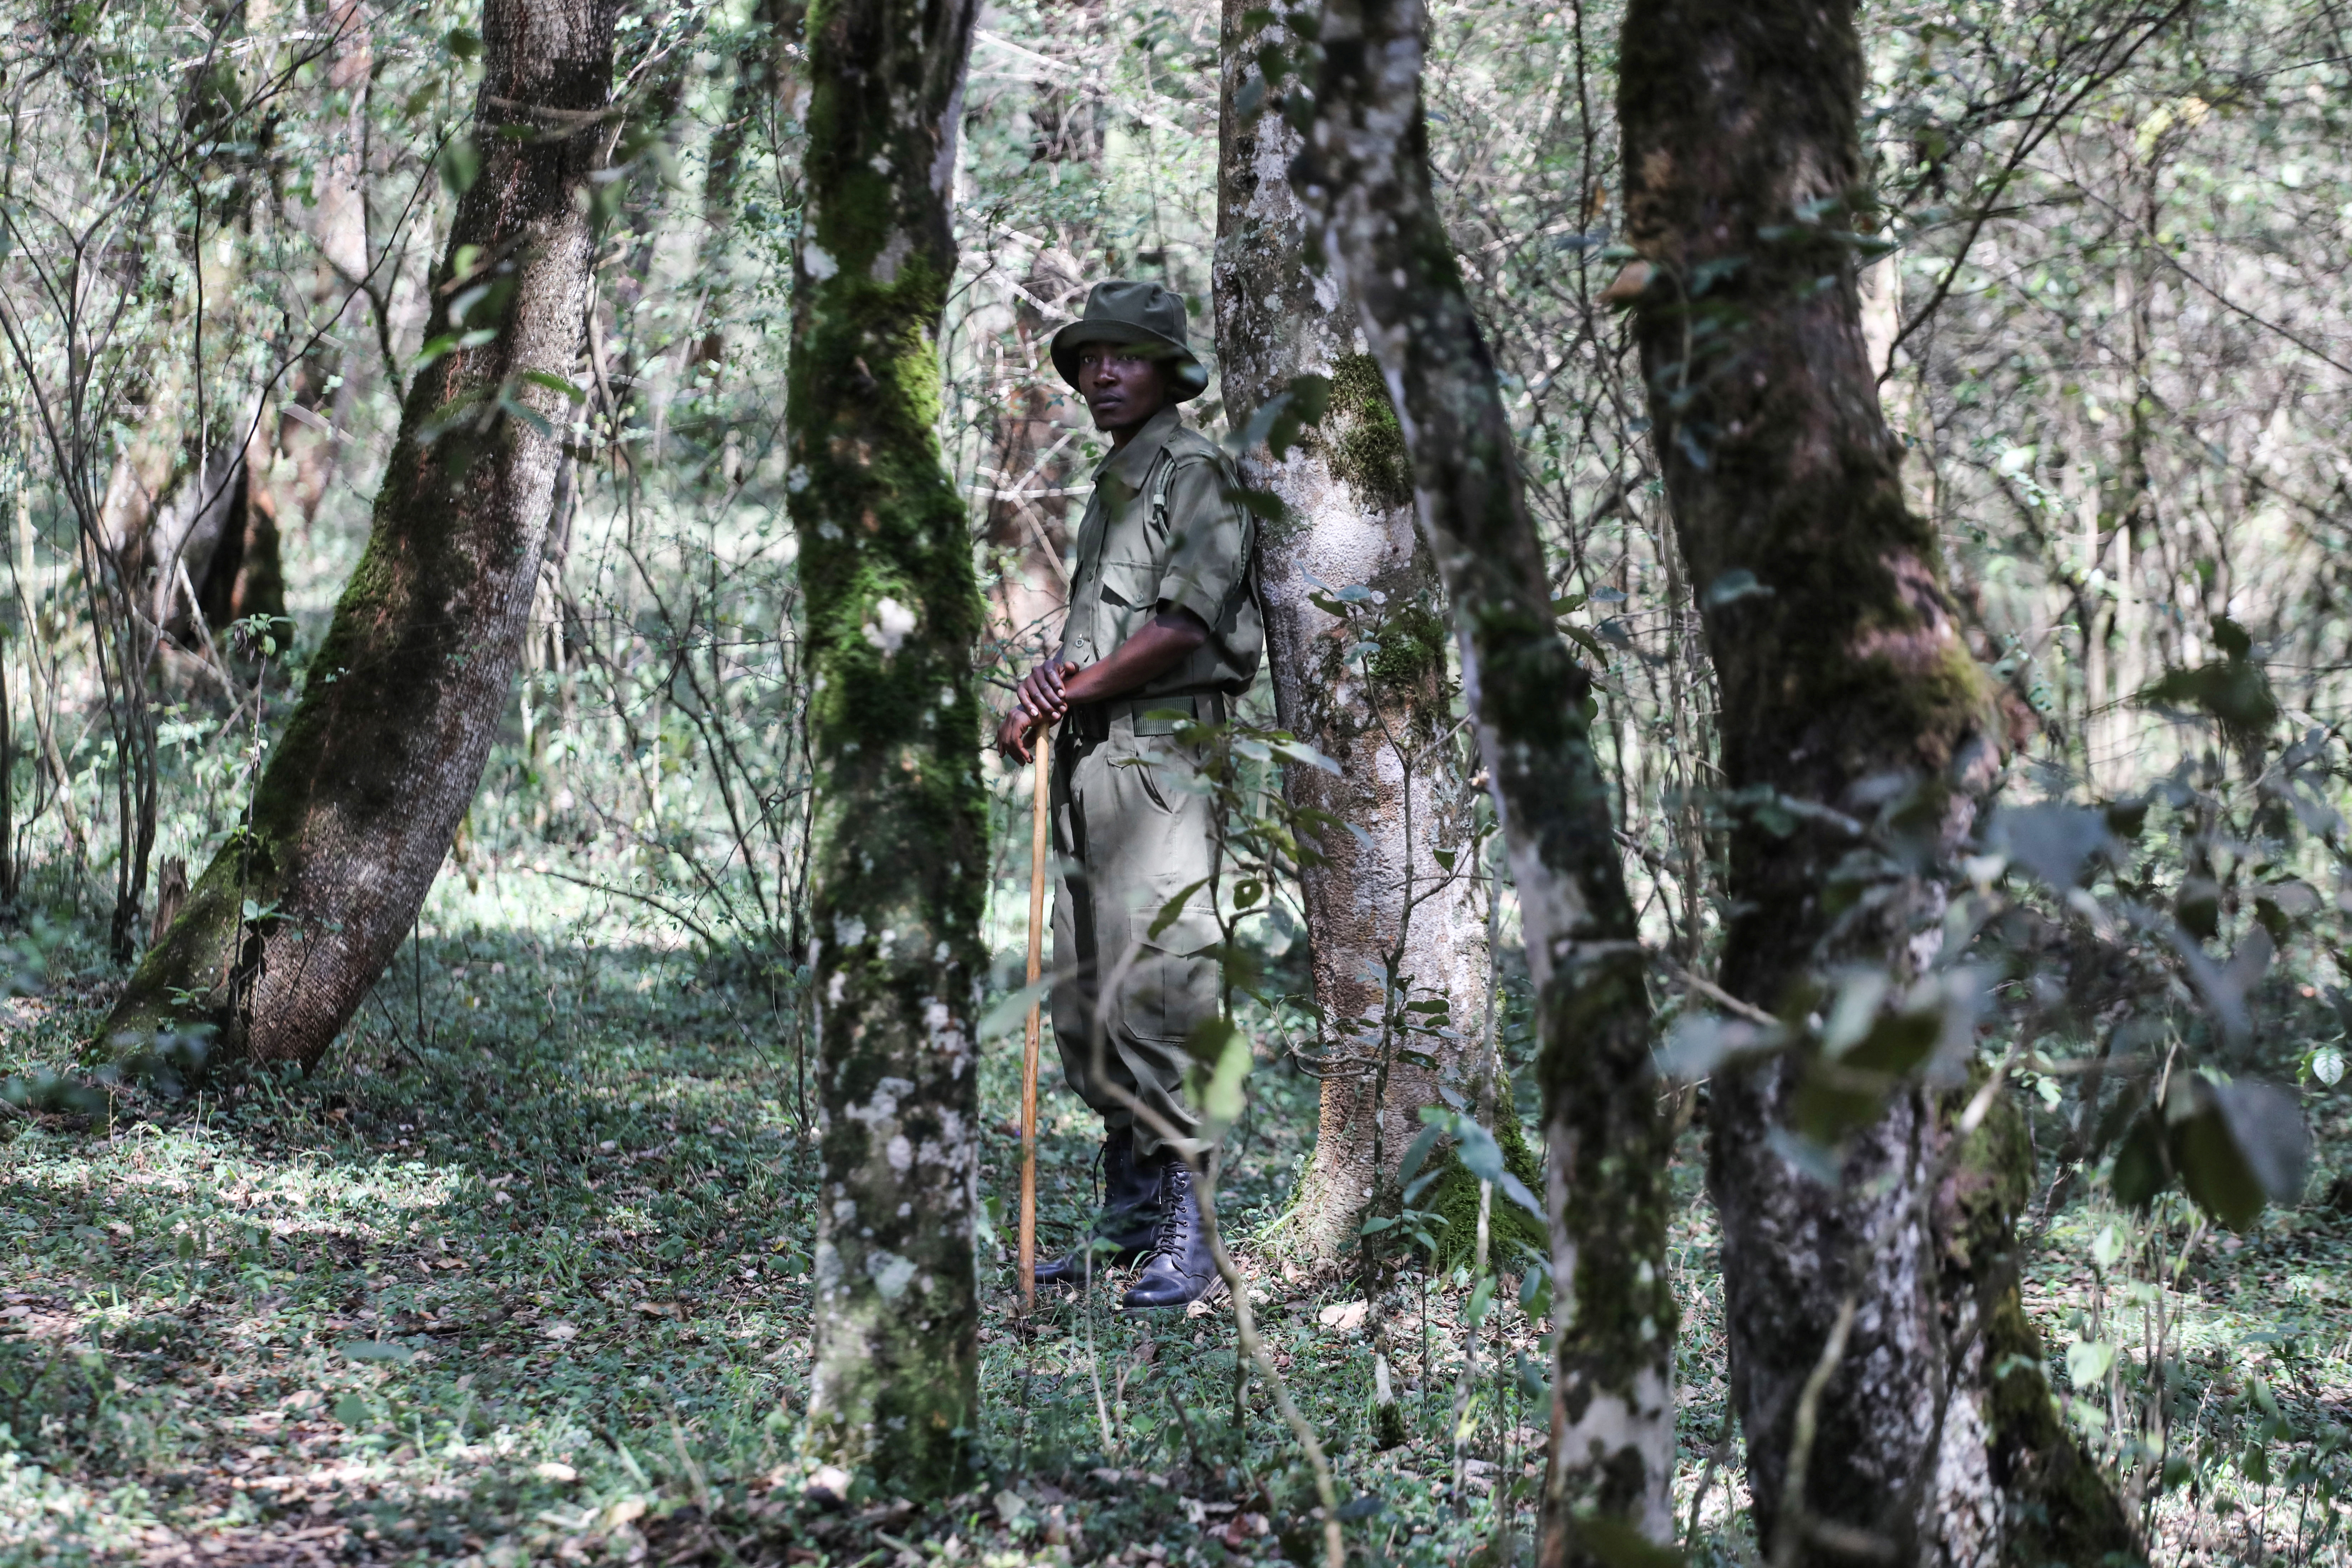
(1130, 835)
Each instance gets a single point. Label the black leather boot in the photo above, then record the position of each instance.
(1182, 1269)
(1123, 1231)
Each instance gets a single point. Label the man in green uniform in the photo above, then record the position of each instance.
(1163, 619)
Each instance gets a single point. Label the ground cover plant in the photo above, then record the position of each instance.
(532, 1285)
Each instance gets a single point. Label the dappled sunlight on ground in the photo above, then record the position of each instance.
(527, 1283)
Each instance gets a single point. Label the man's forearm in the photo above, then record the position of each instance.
(1142, 659)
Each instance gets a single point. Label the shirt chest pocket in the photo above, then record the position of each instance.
(1130, 585)
(1130, 591)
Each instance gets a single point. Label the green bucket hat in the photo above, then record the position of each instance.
(1129, 312)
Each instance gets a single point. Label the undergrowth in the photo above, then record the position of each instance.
(529, 1283)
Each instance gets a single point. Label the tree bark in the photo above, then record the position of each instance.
(900, 843)
(302, 908)
(314, 419)
(1846, 684)
(1347, 504)
(1612, 1436)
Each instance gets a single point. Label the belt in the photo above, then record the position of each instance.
(1093, 722)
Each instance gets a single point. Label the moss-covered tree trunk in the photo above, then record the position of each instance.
(1846, 686)
(1399, 798)
(1612, 1440)
(900, 855)
(300, 910)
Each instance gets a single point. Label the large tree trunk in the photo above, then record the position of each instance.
(1846, 685)
(1613, 1436)
(300, 912)
(900, 849)
(1346, 493)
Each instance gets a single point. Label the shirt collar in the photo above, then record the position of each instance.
(1132, 462)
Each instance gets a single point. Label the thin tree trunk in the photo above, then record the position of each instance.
(1612, 1436)
(1399, 798)
(9, 869)
(300, 911)
(766, 89)
(1845, 683)
(900, 842)
(314, 436)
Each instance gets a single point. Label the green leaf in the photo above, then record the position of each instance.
(2213, 1170)
(1511, 1187)
(1221, 1097)
(2106, 1247)
(1294, 750)
(2054, 842)
(1530, 1374)
(433, 349)
(1734, 585)
(2266, 1127)
(554, 383)
(461, 164)
(2140, 1171)
(1173, 909)
(528, 414)
(1585, 640)
(1416, 1151)
(1477, 1151)
(353, 1412)
(2088, 1361)
(1011, 1011)
(2234, 691)
(1698, 1042)
(376, 1349)
(1897, 1042)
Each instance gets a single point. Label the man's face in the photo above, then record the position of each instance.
(1121, 384)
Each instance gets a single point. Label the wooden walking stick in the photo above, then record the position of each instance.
(1038, 811)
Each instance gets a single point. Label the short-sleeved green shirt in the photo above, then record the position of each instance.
(1197, 555)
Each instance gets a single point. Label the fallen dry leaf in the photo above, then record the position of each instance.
(1345, 1317)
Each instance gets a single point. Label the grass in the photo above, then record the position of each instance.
(529, 1285)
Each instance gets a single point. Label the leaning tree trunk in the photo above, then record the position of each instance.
(900, 851)
(1612, 1436)
(1845, 685)
(303, 907)
(1380, 893)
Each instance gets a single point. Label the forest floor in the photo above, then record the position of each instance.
(529, 1283)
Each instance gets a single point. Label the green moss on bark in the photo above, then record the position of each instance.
(899, 849)
(1368, 454)
(1454, 1198)
(1412, 646)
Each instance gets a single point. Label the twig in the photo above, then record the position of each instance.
(1713, 992)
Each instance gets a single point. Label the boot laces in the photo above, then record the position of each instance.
(1176, 1218)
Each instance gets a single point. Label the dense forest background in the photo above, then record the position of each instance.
(520, 1270)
